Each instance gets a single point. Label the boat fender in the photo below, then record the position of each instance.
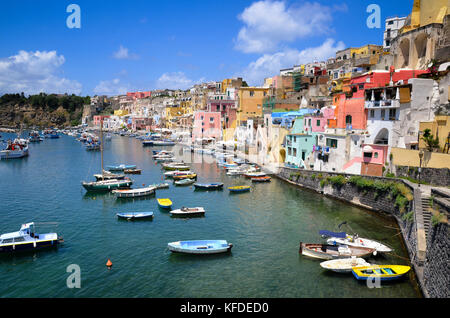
(375, 253)
(34, 244)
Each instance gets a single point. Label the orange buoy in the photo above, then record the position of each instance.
(109, 263)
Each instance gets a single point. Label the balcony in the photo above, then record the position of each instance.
(390, 103)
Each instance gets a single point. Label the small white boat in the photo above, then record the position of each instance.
(27, 239)
(200, 247)
(344, 265)
(328, 252)
(135, 215)
(359, 242)
(170, 174)
(184, 182)
(134, 193)
(188, 212)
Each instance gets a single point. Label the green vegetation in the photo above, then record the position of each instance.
(47, 110)
(431, 142)
(438, 218)
(408, 216)
(313, 176)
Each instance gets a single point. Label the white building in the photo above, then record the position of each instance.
(393, 25)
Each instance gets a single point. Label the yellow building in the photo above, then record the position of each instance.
(250, 102)
(439, 128)
(120, 112)
(230, 83)
(425, 12)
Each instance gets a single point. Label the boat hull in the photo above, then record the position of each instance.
(381, 272)
(135, 216)
(208, 186)
(200, 247)
(29, 246)
(96, 187)
(329, 252)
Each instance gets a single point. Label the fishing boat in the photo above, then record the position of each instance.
(325, 251)
(26, 239)
(135, 215)
(52, 134)
(162, 152)
(160, 185)
(208, 186)
(147, 143)
(93, 146)
(344, 265)
(134, 193)
(200, 247)
(109, 176)
(163, 143)
(107, 185)
(175, 166)
(254, 174)
(342, 238)
(170, 174)
(132, 171)
(239, 189)
(164, 203)
(261, 179)
(185, 176)
(199, 211)
(184, 182)
(121, 167)
(381, 272)
(35, 137)
(14, 150)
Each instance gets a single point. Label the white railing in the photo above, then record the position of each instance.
(390, 103)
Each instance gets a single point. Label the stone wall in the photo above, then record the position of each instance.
(438, 177)
(436, 269)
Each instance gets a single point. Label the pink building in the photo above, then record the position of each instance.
(138, 95)
(141, 123)
(98, 119)
(206, 125)
(227, 109)
(319, 121)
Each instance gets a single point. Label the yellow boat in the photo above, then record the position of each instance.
(185, 176)
(382, 272)
(164, 203)
(239, 189)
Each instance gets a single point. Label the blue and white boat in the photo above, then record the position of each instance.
(121, 167)
(208, 186)
(14, 150)
(52, 134)
(26, 239)
(200, 247)
(135, 215)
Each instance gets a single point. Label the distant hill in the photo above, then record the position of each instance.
(41, 110)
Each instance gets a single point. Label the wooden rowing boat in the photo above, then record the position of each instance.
(200, 247)
(381, 272)
(325, 251)
(198, 211)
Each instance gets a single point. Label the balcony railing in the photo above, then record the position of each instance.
(382, 104)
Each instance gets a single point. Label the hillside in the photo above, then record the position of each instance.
(41, 110)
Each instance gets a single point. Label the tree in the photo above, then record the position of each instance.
(429, 140)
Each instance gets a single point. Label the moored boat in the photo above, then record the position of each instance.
(121, 167)
(170, 174)
(108, 176)
(184, 182)
(14, 150)
(26, 239)
(164, 203)
(342, 238)
(343, 265)
(198, 211)
(261, 179)
(381, 272)
(132, 171)
(107, 185)
(254, 174)
(135, 215)
(208, 186)
(185, 176)
(325, 251)
(200, 247)
(239, 189)
(134, 193)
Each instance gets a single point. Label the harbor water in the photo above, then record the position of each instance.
(264, 225)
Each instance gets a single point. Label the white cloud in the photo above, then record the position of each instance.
(269, 23)
(35, 72)
(113, 87)
(176, 80)
(124, 54)
(270, 64)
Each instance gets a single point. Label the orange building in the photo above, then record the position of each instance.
(251, 101)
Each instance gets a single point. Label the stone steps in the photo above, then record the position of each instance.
(426, 214)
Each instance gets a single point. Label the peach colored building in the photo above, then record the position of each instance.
(251, 101)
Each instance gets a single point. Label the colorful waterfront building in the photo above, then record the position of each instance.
(300, 143)
(250, 103)
(207, 125)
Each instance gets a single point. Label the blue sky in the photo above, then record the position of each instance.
(143, 45)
